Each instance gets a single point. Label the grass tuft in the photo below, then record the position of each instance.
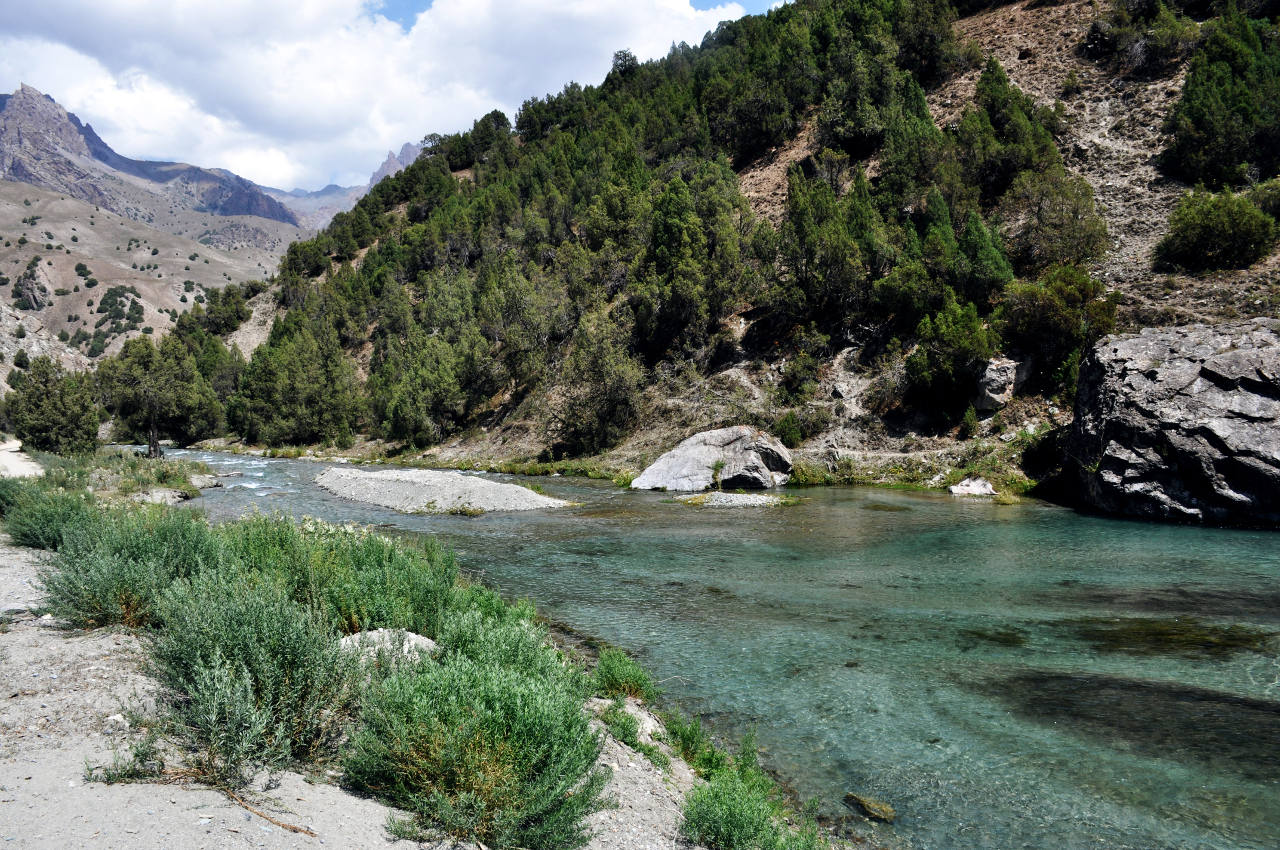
(617, 674)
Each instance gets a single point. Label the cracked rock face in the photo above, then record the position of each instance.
(740, 457)
(1182, 424)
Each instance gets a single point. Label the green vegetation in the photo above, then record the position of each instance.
(1144, 38)
(1216, 231)
(618, 675)
(602, 239)
(488, 742)
(1225, 130)
(483, 751)
(155, 391)
(740, 808)
(51, 410)
(1054, 320)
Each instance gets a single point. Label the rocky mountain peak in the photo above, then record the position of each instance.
(33, 121)
(44, 145)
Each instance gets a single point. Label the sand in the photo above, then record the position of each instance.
(64, 702)
(15, 463)
(431, 491)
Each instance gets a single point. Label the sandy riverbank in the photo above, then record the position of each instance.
(431, 491)
(64, 696)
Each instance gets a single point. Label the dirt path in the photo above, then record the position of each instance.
(15, 463)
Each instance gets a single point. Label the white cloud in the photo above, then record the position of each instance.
(313, 92)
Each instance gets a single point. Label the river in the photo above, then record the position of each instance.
(941, 654)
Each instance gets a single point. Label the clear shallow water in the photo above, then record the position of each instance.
(859, 634)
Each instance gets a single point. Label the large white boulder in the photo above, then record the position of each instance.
(739, 457)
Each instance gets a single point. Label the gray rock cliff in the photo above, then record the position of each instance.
(738, 457)
(1182, 424)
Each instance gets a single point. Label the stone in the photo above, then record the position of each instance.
(1181, 424)
(160, 496)
(973, 487)
(870, 807)
(204, 482)
(398, 641)
(738, 457)
(1002, 378)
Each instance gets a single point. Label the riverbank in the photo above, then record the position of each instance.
(81, 698)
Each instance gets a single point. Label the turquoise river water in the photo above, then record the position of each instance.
(925, 650)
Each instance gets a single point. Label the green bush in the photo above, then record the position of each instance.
(740, 808)
(113, 566)
(480, 752)
(1226, 126)
(50, 409)
(1053, 319)
(360, 580)
(954, 348)
(511, 642)
(787, 429)
(251, 678)
(11, 489)
(694, 744)
(617, 674)
(1215, 231)
(625, 727)
(40, 515)
(1266, 197)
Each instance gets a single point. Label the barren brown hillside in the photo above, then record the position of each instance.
(1112, 139)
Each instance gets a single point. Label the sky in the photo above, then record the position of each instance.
(310, 92)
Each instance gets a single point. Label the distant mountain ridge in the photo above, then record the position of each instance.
(314, 209)
(44, 145)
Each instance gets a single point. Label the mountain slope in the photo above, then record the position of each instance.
(43, 145)
(85, 252)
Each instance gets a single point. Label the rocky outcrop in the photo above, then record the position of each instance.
(739, 457)
(1003, 377)
(1182, 424)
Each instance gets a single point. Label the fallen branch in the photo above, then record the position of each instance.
(301, 830)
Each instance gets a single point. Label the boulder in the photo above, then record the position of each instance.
(204, 482)
(1181, 424)
(1002, 378)
(160, 496)
(973, 487)
(739, 457)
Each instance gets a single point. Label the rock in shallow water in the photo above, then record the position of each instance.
(870, 807)
(973, 487)
(739, 457)
(1182, 424)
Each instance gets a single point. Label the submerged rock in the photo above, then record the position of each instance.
(973, 487)
(717, 499)
(1182, 424)
(739, 457)
(870, 807)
